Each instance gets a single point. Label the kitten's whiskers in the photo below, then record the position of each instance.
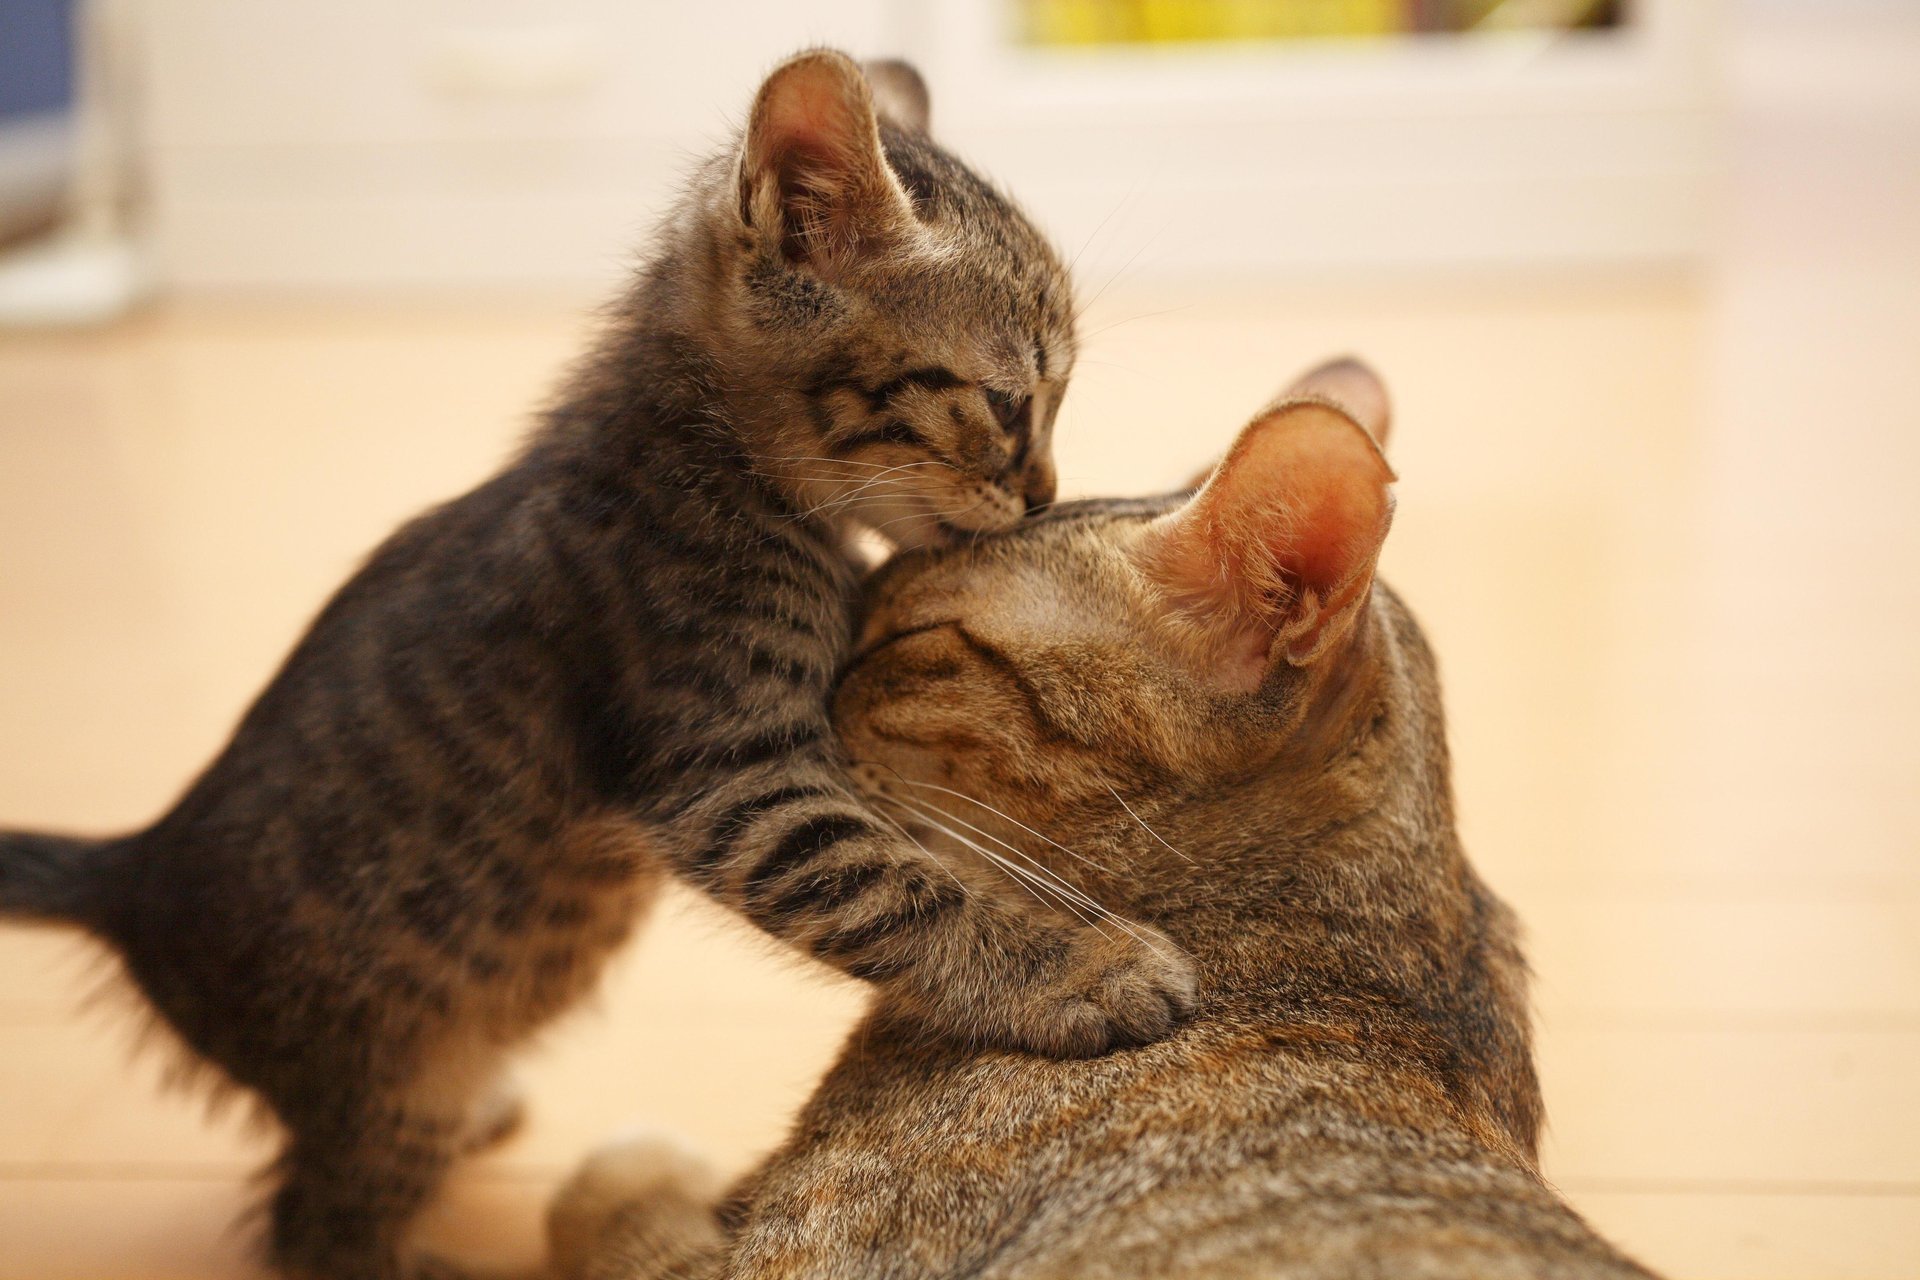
(882, 476)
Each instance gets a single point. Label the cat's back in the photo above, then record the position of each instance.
(1238, 1147)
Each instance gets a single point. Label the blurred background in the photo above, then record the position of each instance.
(1644, 277)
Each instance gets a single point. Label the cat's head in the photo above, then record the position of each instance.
(902, 334)
(1168, 648)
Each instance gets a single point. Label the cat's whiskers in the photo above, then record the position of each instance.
(880, 812)
(1143, 824)
(1059, 885)
(1027, 880)
(921, 814)
(1007, 817)
(1004, 843)
(1028, 877)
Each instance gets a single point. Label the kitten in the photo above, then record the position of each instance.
(1233, 736)
(612, 661)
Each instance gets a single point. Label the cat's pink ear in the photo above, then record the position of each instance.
(812, 172)
(1272, 560)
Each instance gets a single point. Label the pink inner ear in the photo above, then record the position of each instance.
(1335, 510)
(1280, 545)
(810, 121)
(814, 135)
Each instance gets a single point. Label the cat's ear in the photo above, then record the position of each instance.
(900, 94)
(1272, 561)
(1346, 382)
(812, 173)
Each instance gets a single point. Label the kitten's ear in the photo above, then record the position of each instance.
(812, 173)
(1272, 561)
(1347, 382)
(900, 94)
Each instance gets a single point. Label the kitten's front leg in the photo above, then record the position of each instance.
(791, 846)
(1023, 979)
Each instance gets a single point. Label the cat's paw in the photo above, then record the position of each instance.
(1114, 990)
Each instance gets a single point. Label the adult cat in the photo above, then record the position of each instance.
(612, 661)
(1234, 736)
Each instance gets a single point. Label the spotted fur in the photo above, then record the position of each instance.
(1355, 1096)
(611, 662)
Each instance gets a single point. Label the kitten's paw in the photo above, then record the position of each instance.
(635, 1188)
(1116, 990)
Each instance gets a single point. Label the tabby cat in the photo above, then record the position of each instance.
(1200, 712)
(612, 661)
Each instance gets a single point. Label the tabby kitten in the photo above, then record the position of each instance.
(1232, 735)
(612, 661)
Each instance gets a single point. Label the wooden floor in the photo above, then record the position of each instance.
(1662, 531)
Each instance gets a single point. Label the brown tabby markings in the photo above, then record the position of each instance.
(611, 662)
(1234, 739)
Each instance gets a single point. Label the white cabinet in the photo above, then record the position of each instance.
(423, 143)
(1594, 147)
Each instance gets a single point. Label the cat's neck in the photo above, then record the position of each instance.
(1338, 848)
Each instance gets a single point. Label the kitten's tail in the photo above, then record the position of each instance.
(49, 878)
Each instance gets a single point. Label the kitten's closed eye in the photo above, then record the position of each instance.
(1014, 413)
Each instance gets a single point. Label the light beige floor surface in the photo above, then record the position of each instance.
(1661, 532)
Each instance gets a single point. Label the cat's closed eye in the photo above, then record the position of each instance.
(890, 638)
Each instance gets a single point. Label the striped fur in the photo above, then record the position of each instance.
(611, 663)
(1355, 1096)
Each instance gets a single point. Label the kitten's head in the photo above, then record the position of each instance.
(899, 333)
(1168, 648)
